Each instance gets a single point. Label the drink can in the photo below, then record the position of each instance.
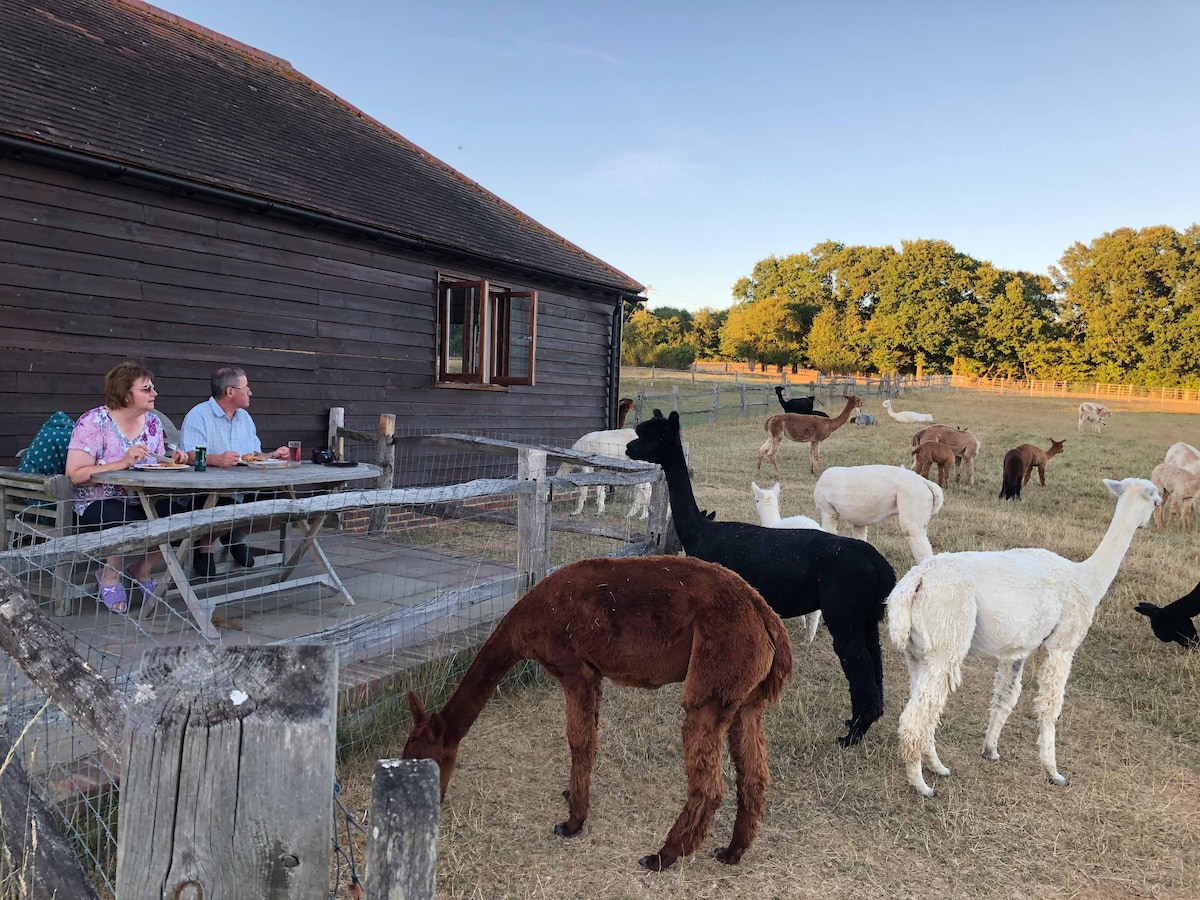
(201, 458)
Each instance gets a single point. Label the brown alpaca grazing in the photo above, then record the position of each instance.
(964, 444)
(803, 429)
(930, 452)
(1019, 463)
(642, 622)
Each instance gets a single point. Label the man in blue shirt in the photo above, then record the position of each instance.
(223, 425)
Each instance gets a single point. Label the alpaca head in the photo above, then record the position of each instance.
(1056, 447)
(1168, 628)
(655, 439)
(427, 740)
(887, 404)
(1138, 489)
(766, 498)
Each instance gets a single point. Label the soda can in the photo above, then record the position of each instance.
(201, 458)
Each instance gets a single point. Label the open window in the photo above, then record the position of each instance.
(486, 334)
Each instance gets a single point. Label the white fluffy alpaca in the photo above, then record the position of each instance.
(908, 417)
(611, 443)
(1185, 456)
(766, 501)
(865, 495)
(1094, 413)
(1002, 605)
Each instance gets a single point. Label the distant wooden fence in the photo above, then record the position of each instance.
(1135, 393)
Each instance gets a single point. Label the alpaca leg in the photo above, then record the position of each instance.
(970, 470)
(929, 754)
(1052, 684)
(858, 531)
(601, 497)
(1006, 691)
(1042, 475)
(918, 540)
(641, 502)
(812, 622)
(703, 729)
(862, 664)
(829, 521)
(583, 494)
(815, 455)
(748, 750)
(583, 720)
(929, 689)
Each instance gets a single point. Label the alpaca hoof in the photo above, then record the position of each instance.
(728, 855)
(925, 791)
(991, 754)
(654, 862)
(566, 795)
(850, 739)
(564, 829)
(1060, 780)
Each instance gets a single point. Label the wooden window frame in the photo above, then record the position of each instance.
(488, 336)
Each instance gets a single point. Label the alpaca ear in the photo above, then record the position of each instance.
(674, 420)
(420, 717)
(658, 414)
(758, 492)
(1116, 487)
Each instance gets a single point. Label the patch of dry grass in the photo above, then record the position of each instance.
(844, 823)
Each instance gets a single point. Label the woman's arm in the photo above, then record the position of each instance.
(81, 465)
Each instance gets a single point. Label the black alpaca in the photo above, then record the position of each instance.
(801, 405)
(797, 571)
(1173, 622)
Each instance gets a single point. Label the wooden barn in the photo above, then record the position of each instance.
(170, 195)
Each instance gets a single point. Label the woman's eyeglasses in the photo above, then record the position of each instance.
(148, 389)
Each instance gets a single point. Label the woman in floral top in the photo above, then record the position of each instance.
(110, 438)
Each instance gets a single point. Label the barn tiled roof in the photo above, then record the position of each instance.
(127, 82)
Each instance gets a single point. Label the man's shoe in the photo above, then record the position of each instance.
(242, 554)
(203, 564)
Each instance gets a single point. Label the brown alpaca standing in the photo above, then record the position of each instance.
(1019, 463)
(624, 405)
(964, 444)
(930, 452)
(642, 622)
(803, 429)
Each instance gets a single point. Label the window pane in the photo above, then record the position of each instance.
(463, 333)
(513, 323)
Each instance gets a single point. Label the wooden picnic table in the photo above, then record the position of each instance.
(148, 483)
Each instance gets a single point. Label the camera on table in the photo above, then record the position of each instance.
(321, 457)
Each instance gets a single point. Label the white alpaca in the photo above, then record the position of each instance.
(1185, 456)
(908, 417)
(611, 443)
(1179, 488)
(1094, 413)
(1002, 605)
(866, 495)
(766, 501)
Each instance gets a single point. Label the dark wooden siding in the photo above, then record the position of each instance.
(93, 271)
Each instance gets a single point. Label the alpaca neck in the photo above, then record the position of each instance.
(1101, 567)
(497, 655)
(768, 514)
(689, 523)
(842, 416)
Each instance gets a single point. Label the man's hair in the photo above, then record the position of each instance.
(223, 379)
(119, 382)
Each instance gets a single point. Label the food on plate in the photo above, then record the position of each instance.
(254, 457)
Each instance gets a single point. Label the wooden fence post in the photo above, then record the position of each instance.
(533, 520)
(675, 397)
(745, 405)
(227, 775)
(712, 413)
(638, 406)
(385, 458)
(402, 851)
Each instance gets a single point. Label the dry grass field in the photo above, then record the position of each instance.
(844, 823)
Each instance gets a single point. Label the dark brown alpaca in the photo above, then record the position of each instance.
(930, 452)
(803, 429)
(642, 622)
(1019, 463)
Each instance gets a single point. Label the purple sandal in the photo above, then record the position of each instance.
(113, 597)
(147, 587)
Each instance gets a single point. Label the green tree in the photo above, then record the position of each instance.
(765, 331)
(705, 334)
(832, 343)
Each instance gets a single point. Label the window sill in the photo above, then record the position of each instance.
(470, 386)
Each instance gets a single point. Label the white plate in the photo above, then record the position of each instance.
(273, 464)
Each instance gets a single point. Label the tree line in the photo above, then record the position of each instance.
(1124, 308)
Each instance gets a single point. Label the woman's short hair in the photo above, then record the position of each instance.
(223, 379)
(119, 381)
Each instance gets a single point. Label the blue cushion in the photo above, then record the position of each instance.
(47, 455)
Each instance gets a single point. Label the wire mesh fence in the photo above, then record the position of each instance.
(402, 579)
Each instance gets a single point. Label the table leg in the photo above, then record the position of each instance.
(174, 558)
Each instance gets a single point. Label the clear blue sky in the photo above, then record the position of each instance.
(683, 142)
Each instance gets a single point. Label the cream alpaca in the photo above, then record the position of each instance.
(1002, 605)
(866, 495)
(766, 501)
(908, 417)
